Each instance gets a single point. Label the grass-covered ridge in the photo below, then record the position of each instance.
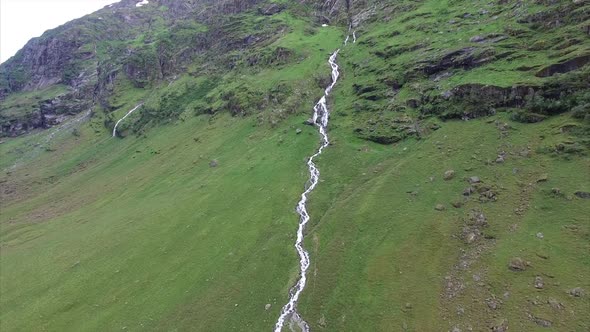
(186, 220)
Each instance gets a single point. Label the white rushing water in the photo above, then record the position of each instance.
(123, 118)
(348, 35)
(320, 118)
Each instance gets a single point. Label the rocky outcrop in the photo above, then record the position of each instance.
(271, 9)
(465, 58)
(514, 96)
(89, 55)
(564, 67)
(561, 13)
(47, 113)
(533, 103)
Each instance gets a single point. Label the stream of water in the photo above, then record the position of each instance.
(123, 118)
(320, 118)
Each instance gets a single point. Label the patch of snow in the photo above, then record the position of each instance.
(143, 2)
(324, 25)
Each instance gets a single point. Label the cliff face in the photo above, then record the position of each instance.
(86, 56)
(416, 64)
(144, 44)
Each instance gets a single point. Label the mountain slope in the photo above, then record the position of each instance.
(454, 194)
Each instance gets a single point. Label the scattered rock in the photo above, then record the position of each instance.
(468, 191)
(460, 310)
(493, 303)
(577, 292)
(487, 194)
(456, 329)
(500, 160)
(540, 235)
(477, 218)
(297, 131)
(470, 237)
(582, 194)
(474, 179)
(501, 326)
(308, 122)
(439, 207)
(267, 306)
(543, 178)
(213, 163)
(555, 304)
(517, 264)
(542, 322)
(449, 174)
(556, 191)
(457, 204)
(477, 39)
(235, 305)
(539, 282)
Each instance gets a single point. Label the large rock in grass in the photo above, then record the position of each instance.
(539, 283)
(449, 174)
(577, 292)
(474, 179)
(517, 264)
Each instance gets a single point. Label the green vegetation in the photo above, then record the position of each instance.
(20, 105)
(186, 221)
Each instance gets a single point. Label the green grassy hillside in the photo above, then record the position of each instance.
(452, 197)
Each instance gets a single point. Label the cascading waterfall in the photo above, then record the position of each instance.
(320, 119)
(348, 35)
(123, 118)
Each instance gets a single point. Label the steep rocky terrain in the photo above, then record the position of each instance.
(453, 197)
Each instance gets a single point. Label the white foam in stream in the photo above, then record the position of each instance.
(320, 118)
(123, 118)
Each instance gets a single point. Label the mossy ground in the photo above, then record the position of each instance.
(141, 233)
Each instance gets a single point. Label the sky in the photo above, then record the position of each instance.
(21, 20)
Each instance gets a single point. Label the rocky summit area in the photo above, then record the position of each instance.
(154, 154)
